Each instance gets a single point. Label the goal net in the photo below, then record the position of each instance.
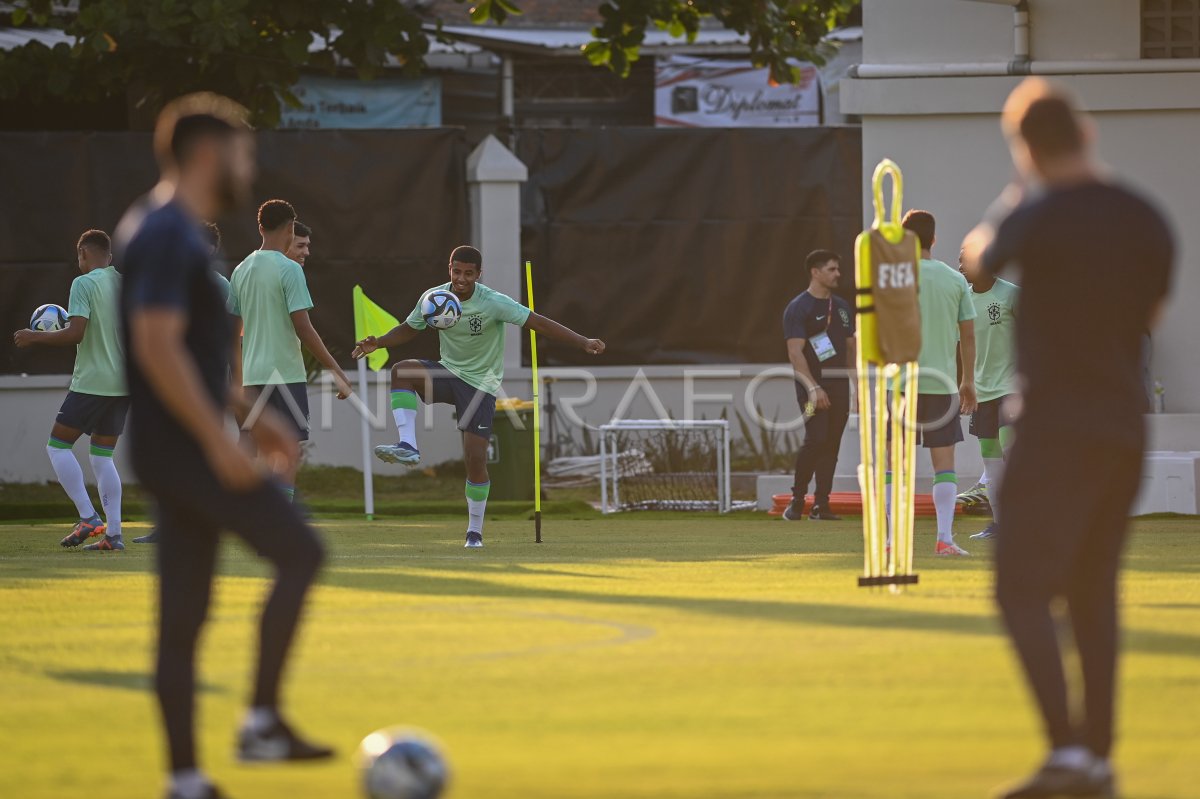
(663, 464)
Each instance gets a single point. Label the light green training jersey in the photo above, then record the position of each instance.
(995, 340)
(945, 299)
(473, 349)
(265, 290)
(99, 358)
(222, 286)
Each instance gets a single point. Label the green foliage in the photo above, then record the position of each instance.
(763, 449)
(779, 30)
(251, 50)
(255, 50)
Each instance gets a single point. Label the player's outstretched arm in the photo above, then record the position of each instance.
(400, 334)
(311, 339)
(551, 329)
(69, 336)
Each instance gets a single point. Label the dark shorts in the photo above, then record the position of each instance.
(989, 417)
(93, 414)
(288, 399)
(476, 408)
(937, 420)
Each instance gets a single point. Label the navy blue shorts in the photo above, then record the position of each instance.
(288, 399)
(937, 420)
(93, 414)
(990, 416)
(476, 408)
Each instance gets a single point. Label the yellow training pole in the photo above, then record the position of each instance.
(537, 417)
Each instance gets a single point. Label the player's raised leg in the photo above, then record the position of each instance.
(410, 384)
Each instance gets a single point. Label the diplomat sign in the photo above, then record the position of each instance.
(691, 92)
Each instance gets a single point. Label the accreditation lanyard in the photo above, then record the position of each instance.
(821, 343)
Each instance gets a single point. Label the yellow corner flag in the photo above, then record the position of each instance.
(371, 320)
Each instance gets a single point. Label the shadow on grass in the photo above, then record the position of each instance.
(802, 613)
(124, 680)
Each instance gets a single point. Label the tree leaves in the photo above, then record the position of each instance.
(255, 50)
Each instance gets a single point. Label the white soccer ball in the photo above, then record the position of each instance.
(440, 309)
(49, 317)
(402, 764)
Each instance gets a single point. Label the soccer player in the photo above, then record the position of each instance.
(269, 294)
(301, 242)
(995, 302)
(946, 324)
(819, 328)
(467, 376)
(1079, 373)
(177, 335)
(97, 401)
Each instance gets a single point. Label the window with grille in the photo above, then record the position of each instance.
(1170, 28)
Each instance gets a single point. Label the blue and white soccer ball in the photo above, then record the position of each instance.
(49, 317)
(402, 763)
(441, 309)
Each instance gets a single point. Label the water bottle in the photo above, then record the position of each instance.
(1160, 397)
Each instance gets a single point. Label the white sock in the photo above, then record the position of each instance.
(260, 718)
(108, 483)
(189, 783)
(945, 489)
(477, 494)
(404, 411)
(995, 472)
(70, 477)
(985, 479)
(1076, 758)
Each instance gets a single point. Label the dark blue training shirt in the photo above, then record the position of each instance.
(807, 316)
(1095, 259)
(166, 265)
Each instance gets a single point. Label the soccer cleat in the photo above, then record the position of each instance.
(950, 550)
(794, 512)
(110, 543)
(398, 453)
(976, 495)
(148, 538)
(474, 540)
(210, 792)
(277, 743)
(84, 529)
(986, 533)
(822, 514)
(1054, 781)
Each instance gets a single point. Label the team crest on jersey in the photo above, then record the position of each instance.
(476, 324)
(845, 316)
(994, 313)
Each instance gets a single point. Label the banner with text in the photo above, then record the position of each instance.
(336, 103)
(699, 93)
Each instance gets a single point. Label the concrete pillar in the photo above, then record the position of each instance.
(494, 178)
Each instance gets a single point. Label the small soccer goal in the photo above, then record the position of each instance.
(665, 464)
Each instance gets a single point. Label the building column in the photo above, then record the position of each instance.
(494, 178)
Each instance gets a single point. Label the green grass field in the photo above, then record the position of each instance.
(664, 656)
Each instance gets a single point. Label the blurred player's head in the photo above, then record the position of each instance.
(466, 264)
(1044, 128)
(94, 250)
(275, 220)
(301, 241)
(203, 145)
(923, 224)
(824, 269)
(212, 234)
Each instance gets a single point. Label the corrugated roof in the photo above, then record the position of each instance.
(557, 41)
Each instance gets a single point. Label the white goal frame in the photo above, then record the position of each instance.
(609, 472)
